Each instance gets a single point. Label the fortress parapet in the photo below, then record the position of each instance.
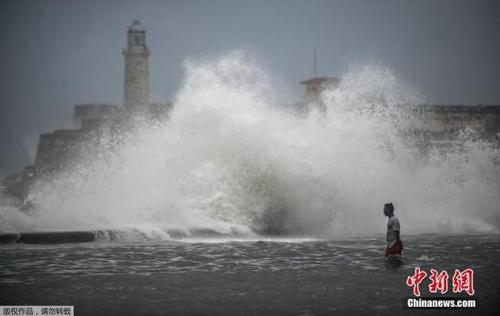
(57, 149)
(94, 112)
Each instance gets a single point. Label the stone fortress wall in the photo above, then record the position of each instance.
(427, 123)
(445, 121)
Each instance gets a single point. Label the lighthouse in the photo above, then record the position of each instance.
(136, 85)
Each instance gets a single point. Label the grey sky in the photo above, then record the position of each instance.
(55, 54)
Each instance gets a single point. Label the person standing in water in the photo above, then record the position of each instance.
(394, 243)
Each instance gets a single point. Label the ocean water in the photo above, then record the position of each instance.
(244, 277)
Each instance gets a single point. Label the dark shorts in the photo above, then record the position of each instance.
(395, 249)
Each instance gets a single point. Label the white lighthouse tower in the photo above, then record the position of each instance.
(136, 86)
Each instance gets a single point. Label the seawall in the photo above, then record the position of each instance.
(48, 237)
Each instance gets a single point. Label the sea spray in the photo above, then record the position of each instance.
(233, 160)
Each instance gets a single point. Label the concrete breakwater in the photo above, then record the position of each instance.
(59, 237)
(64, 237)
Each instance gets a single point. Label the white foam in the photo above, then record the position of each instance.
(232, 160)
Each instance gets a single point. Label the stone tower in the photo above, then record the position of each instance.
(314, 87)
(136, 89)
